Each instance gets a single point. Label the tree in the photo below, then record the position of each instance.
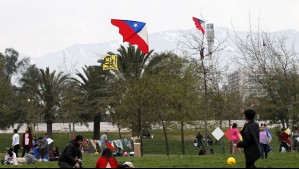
(133, 65)
(10, 65)
(93, 83)
(48, 88)
(195, 46)
(71, 107)
(273, 67)
(175, 93)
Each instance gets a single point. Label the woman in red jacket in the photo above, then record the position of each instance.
(27, 141)
(107, 160)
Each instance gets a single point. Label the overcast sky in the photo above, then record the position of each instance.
(38, 27)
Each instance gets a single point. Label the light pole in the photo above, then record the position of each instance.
(210, 39)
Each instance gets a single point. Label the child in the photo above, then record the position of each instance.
(10, 157)
(54, 154)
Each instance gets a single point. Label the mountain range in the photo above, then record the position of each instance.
(77, 56)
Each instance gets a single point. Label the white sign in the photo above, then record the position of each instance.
(218, 133)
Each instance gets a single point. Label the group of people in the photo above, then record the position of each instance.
(71, 157)
(200, 141)
(33, 149)
(253, 138)
(254, 142)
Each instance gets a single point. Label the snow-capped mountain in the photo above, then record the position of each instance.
(75, 57)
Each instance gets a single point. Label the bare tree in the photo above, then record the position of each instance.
(271, 70)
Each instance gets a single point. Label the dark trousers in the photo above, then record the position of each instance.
(250, 164)
(199, 143)
(26, 149)
(264, 149)
(64, 165)
(16, 149)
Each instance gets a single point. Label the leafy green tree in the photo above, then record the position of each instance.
(93, 83)
(48, 87)
(133, 65)
(10, 65)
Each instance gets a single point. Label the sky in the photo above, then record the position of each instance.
(39, 27)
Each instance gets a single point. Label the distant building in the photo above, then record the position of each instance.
(247, 83)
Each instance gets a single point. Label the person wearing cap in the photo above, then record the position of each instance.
(68, 156)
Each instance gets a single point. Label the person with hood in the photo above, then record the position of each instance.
(250, 143)
(68, 156)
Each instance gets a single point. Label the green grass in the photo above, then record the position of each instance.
(276, 160)
(154, 153)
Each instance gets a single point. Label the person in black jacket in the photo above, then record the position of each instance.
(250, 143)
(67, 158)
(199, 138)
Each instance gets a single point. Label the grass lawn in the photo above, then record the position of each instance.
(154, 153)
(276, 160)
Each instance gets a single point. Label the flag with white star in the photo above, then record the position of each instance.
(133, 32)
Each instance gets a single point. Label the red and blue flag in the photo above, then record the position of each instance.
(133, 32)
(198, 24)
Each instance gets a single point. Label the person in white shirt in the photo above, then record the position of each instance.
(9, 158)
(16, 142)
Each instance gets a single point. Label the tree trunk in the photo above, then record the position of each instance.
(283, 123)
(96, 126)
(70, 130)
(119, 133)
(73, 129)
(140, 131)
(182, 137)
(49, 129)
(166, 138)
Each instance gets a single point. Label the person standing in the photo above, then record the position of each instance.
(16, 142)
(264, 141)
(235, 138)
(68, 156)
(27, 141)
(104, 139)
(250, 143)
(107, 160)
(199, 138)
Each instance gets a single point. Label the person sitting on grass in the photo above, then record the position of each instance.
(107, 160)
(9, 157)
(43, 147)
(54, 154)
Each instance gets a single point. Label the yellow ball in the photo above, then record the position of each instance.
(231, 160)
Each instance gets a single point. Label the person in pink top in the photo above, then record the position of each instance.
(235, 138)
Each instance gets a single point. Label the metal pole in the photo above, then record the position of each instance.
(206, 101)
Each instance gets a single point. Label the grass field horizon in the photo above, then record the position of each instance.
(155, 153)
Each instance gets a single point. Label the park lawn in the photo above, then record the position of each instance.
(154, 153)
(276, 160)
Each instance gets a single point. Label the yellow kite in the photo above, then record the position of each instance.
(110, 63)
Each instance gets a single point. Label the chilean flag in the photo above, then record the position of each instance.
(198, 23)
(133, 32)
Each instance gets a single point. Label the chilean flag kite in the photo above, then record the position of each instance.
(133, 32)
(198, 23)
